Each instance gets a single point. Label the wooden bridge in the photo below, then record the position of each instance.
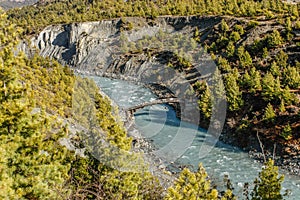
(132, 109)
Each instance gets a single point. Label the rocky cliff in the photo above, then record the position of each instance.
(94, 45)
(98, 48)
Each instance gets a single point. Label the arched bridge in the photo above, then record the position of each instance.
(132, 109)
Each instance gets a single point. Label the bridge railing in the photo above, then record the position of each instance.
(158, 101)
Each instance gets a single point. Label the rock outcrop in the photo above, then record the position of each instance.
(96, 47)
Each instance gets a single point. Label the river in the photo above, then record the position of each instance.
(160, 124)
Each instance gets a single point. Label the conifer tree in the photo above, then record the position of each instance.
(269, 113)
(230, 49)
(275, 70)
(294, 11)
(268, 87)
(291, 77)
(233, 93)
(239, 29)
(287, 132)
(288, 24)
(244, 57)
(287, 96)
(246, 80)
(224, 64)
(205, 103)
(268, 185)
(282, 106)
(277, 89)
(274, 39)
(35, 163)
(217, 86)
(255, 82)
(235, 36)
(265, 52)
(281, 59)
(224, 27)
(191, 185)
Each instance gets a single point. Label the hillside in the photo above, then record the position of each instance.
(267, 81)
(43, 109)
(8, 4)
(255, 45)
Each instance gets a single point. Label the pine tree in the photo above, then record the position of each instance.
(255, 83)
(233, 93)
(282, 106)
(9, 33)
(274, 39)
(235, 36)
(288, 24)
(230, 49)
(291, 77)
(191, 185)
(217, 87)
(281, 59)
(239, 29)
(34, 160)
(244, 57)
(268, 87)
(269, 113)
(277, 89)
(265, 52)
(223, 64)
(288, 97)
(268, 185)
(287, 132)
(246, 60)
(294, 11)
(246, 80)
(224, 27)
(205, 103)
(275, 70)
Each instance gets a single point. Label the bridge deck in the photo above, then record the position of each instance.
(158, 101)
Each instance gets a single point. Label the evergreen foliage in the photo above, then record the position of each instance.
(233, 93)
(268, 185)
(205, 103)
(191, 185)
(34, 164)
(269, 113)
(36, 92)
(274, 39)
(35, 103)
(291, 77)
(268, 87)
(287, 132)
(34, 18)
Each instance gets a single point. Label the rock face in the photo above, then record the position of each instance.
(76, 44)
(94, 45)
(7, 4)
(98, 48)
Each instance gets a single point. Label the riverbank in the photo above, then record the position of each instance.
(144, 146)
(290, 163)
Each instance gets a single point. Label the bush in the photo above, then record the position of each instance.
(287, 132)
